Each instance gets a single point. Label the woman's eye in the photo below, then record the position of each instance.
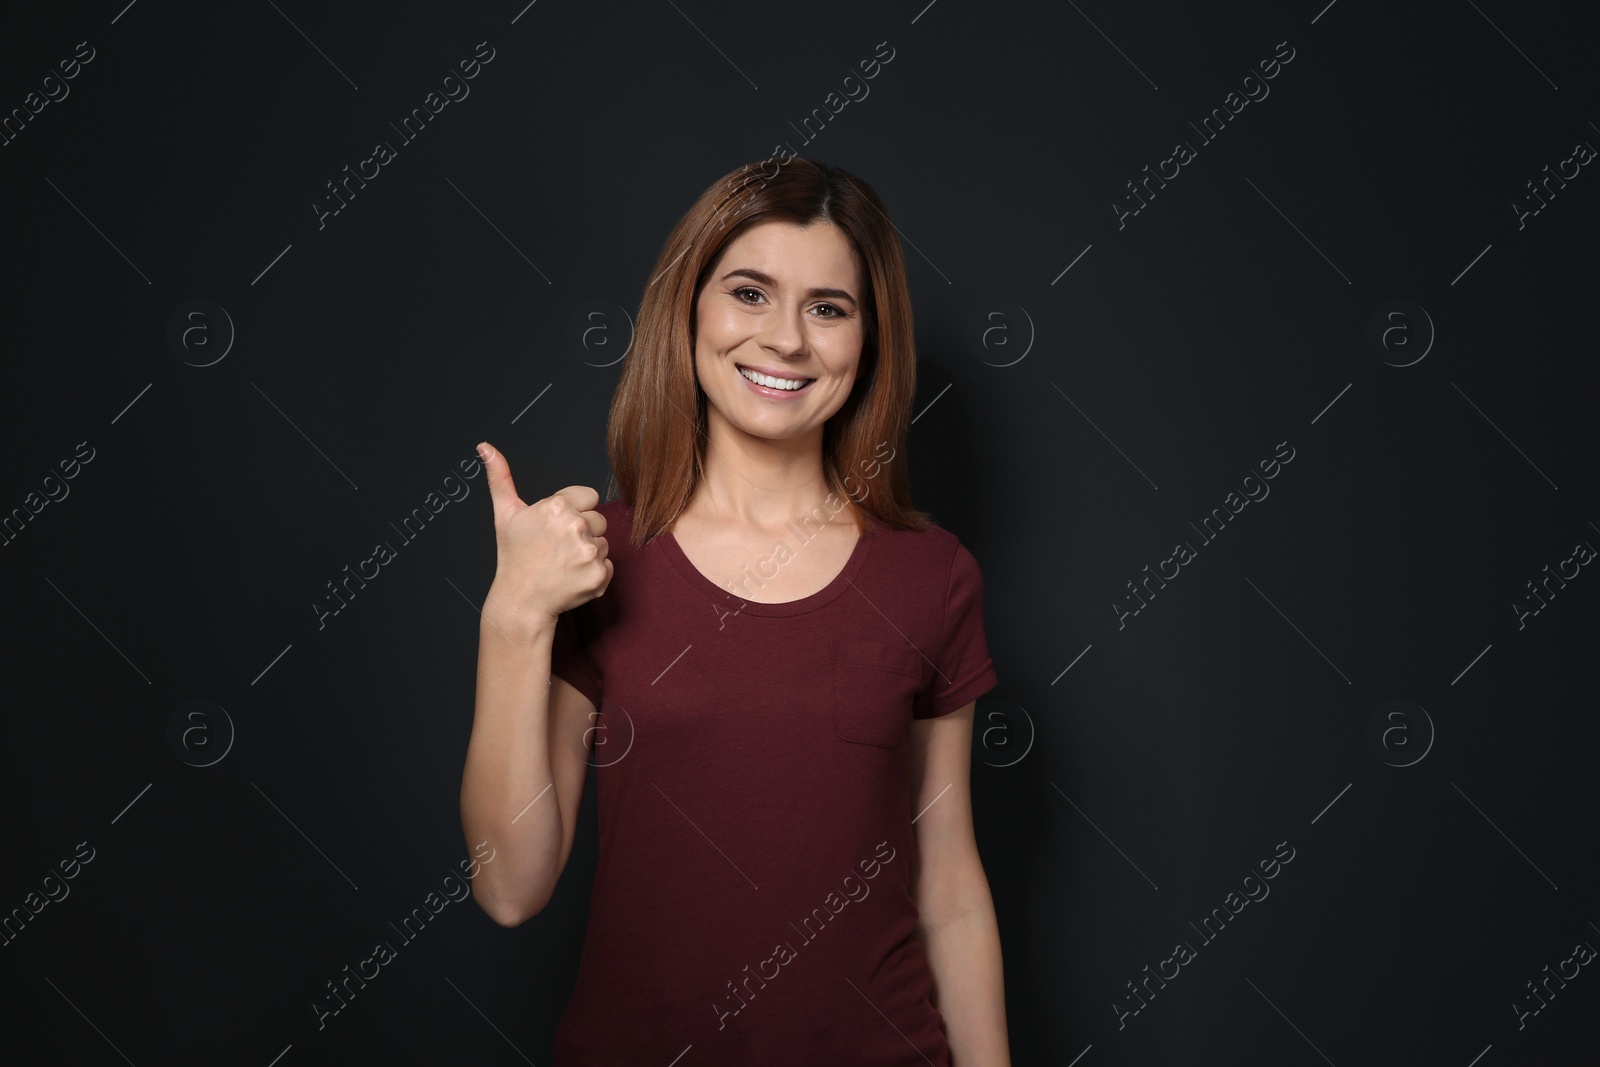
(741, 295)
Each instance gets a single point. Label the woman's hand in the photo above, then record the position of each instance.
(550, 555)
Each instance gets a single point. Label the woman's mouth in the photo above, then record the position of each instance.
(771, 385)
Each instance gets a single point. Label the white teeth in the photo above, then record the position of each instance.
(771, 382)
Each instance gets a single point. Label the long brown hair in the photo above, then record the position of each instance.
(656, 433)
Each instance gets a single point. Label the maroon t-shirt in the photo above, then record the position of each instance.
(752, 900)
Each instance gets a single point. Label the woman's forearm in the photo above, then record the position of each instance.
(968, 981)
(508, 763)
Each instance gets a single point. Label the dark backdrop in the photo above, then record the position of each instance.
(1372, 282)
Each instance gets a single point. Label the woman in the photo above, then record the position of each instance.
(777, 693)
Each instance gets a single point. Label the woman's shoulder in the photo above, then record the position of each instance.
(933, 548)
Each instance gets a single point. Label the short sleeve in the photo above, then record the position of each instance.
(570, 653)
(963, 670)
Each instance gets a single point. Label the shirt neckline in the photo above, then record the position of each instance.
(739, 605)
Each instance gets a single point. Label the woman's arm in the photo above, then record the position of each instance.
(957, 922)
(523, 779)
(526, 759)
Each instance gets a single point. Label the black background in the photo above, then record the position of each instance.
(1072, 424)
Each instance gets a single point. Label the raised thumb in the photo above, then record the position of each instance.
(502, 490)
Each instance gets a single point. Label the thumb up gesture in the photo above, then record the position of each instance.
(550, 554)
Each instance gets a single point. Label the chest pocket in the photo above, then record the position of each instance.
(874, 683)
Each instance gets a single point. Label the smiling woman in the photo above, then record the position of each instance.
(798, 275)
(767, 743)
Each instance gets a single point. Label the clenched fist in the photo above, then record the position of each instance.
(550, 555)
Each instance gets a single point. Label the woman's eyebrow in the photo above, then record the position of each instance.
(768, 280)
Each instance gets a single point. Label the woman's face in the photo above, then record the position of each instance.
(783, 300)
